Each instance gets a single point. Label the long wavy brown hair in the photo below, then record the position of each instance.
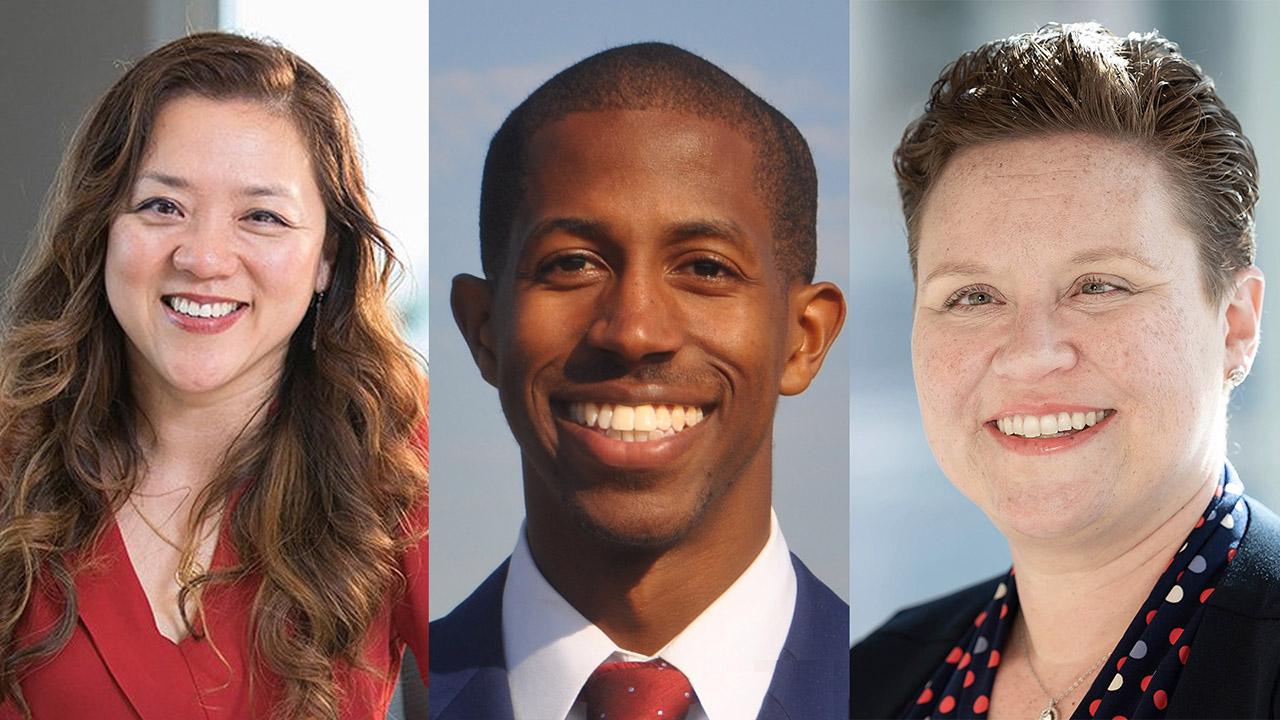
(337, 465)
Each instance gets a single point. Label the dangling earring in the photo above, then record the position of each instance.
(315, 328)
(1236, 377)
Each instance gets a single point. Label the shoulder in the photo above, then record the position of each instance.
(1238, 642)
(942, 619)
(893, 662)
(811, 678)
(816, 601)
(455, 637)
(1252, 583)
(468, 672)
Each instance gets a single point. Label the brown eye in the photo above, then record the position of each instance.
(569, 267)
(570, 263)
(161, 206)
(708, 268)
(266, 217)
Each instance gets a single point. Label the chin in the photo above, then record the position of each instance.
(637, 520)
(197, 379)
(1046, 510)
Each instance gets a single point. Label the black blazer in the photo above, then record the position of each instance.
(1233, 671)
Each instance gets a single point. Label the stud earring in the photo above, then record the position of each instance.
(315, 328)
(1236, 377)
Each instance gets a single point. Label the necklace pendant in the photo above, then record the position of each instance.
(187, 572)
(1049, 713)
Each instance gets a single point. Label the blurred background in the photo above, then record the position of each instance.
(59, 56)
(487, 56)
(913, 537)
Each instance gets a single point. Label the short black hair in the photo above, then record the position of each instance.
(658, 76)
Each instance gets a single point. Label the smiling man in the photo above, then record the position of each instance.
(648, 242)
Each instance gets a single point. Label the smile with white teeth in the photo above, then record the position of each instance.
(635, 423)
(1053, 425)
(200, 310)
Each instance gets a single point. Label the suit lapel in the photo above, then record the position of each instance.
(811, 679)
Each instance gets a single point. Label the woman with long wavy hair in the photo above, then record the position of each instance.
(213, 440)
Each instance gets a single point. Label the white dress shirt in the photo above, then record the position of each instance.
(728, 652)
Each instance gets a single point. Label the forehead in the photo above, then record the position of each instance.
(634, 167)
(1030, 198)
(226, 137)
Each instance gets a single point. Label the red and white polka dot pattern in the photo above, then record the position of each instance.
(637, 691)
(1143, 670)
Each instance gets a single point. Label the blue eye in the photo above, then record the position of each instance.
(971, 296)
(1095, 286)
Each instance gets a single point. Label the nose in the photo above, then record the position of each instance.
(1038, 344)
(205, 250)
(637, 319)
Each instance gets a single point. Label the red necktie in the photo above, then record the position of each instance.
(652, 690)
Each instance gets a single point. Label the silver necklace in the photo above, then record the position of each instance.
(1050, 711)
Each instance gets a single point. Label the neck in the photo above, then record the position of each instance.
(642, 598)
(184, 437)
(1077, 598)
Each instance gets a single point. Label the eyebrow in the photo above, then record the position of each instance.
(181, 183)
(1111, 253)
(597, 231)
(1089, 255)
(164, 179)
(955, 268)
(593, 230)
(723, 229)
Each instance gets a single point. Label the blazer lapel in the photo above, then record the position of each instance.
(149, 669)
(811, 679)
(468, 672)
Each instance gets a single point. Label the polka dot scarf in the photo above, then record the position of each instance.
(1142, 672)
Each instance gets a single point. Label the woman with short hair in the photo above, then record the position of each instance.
(1080, 216)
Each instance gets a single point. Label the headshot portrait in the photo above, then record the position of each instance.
(213, 431)
(1080, 215)
(643, 288)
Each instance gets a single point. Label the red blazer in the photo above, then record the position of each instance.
(117, 665)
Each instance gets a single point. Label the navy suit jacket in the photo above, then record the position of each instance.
(468, 674)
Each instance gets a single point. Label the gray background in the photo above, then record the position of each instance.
(485, 58)
(912, 535)
(58, 57)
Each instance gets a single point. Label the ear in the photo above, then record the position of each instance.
(816, 314)
(324, 273)
(472, 301)
(1242, 317)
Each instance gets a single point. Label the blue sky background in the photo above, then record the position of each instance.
(485, 58)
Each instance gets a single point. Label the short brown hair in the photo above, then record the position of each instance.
(1083, 78)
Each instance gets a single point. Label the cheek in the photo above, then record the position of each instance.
(948, 362)
(1162, 358)
(742, 337)
(539, 331)
(131, 262)
(285, 269)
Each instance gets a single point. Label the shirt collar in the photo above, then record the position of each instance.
(551, 649)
